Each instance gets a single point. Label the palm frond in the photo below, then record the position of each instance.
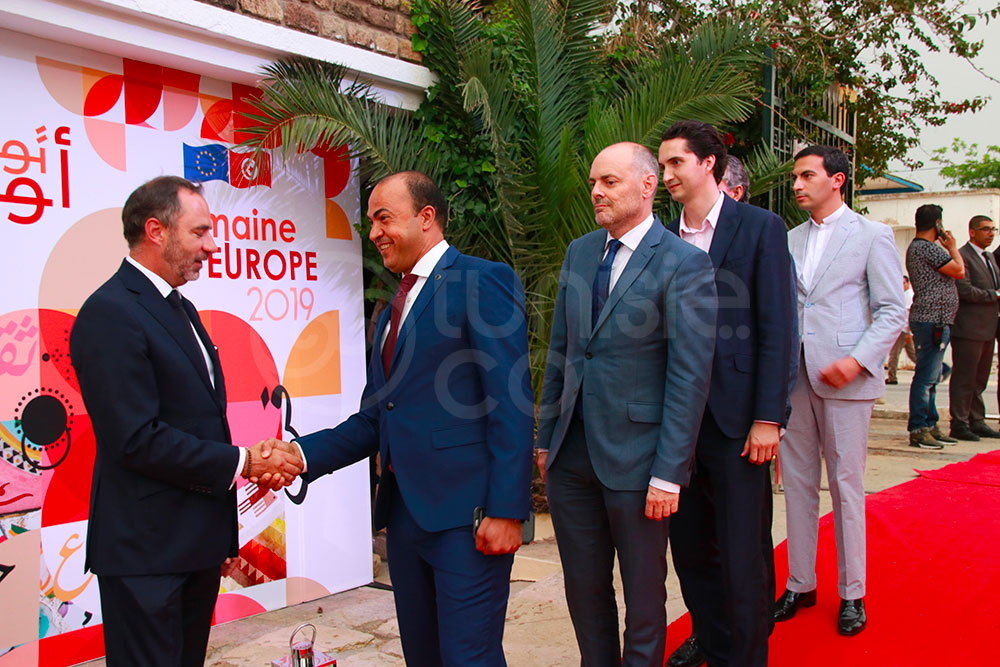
(767, 171)
(307, 103)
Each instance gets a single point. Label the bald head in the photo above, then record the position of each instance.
(622, 186)
(643, 162)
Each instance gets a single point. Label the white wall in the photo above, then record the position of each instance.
(898, 210)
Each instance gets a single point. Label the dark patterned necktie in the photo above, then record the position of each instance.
(405, 285)
(602, 281)
(989, 265)
(175, 300)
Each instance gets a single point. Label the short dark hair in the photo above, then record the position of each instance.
(702, 140)
(425, 192)
(153, 199)
(737, 176)
(834, 161)
(977, 221)
(927, 216)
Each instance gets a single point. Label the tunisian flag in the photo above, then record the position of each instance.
(247, 169)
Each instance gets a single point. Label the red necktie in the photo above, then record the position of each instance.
(405, 285)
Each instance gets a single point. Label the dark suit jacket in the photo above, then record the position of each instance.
(643, 370)
(160, 501)
(756, 335)
(977, 309)
(455, 417)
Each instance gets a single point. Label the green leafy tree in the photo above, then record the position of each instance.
(527, 96)
(979, 169)
(868, 46)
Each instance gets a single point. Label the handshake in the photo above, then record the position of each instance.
(273, 463)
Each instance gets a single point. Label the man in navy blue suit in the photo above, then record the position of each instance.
(449, 407)
(721, 535)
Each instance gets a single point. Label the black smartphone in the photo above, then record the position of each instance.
(940, 229)
(527, 526)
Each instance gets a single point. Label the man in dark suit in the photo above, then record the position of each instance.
(626, 380)
(974, 331)
(721, 535)
(162, 508)
(449, 407)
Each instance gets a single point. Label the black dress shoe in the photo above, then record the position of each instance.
(963, 433)
(789, 603)
(687, 654)
(851, 619)
(984, 431)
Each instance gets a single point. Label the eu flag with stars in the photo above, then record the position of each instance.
(206, 163)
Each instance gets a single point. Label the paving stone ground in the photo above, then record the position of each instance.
(359, 627)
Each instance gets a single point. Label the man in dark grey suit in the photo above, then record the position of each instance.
(974, 331)
(626, 381)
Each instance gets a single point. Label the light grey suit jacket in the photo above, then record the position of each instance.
(854, 306)
(643, 370)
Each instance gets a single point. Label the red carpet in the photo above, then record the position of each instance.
(933, 578)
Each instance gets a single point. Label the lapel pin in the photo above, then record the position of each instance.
(437, 276)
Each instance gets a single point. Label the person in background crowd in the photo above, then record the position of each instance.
(933, 264)
(905, 340)
(974, 333)
(736, 181)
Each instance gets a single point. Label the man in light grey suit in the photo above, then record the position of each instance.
(850, 313)
(626, 381)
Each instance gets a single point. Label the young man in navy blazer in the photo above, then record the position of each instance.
(449, 407)
(721, 535)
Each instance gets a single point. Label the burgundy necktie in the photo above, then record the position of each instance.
(405, 285)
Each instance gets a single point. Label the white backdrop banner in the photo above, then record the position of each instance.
(282, 300)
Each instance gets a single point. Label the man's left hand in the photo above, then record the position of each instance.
(762, 442)
(660, 504)
(498, 536)
(841, 372)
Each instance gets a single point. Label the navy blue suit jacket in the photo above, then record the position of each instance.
(755, 339)
(455, 417)
(160, 501)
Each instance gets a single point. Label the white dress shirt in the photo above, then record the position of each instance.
(702, 238)
(819, 237)
(164, 288)
(422, 270)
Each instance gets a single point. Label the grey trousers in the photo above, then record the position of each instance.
(837, 431)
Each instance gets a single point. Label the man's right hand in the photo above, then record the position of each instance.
(540, 461)
(274, 463)
(948, 241)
